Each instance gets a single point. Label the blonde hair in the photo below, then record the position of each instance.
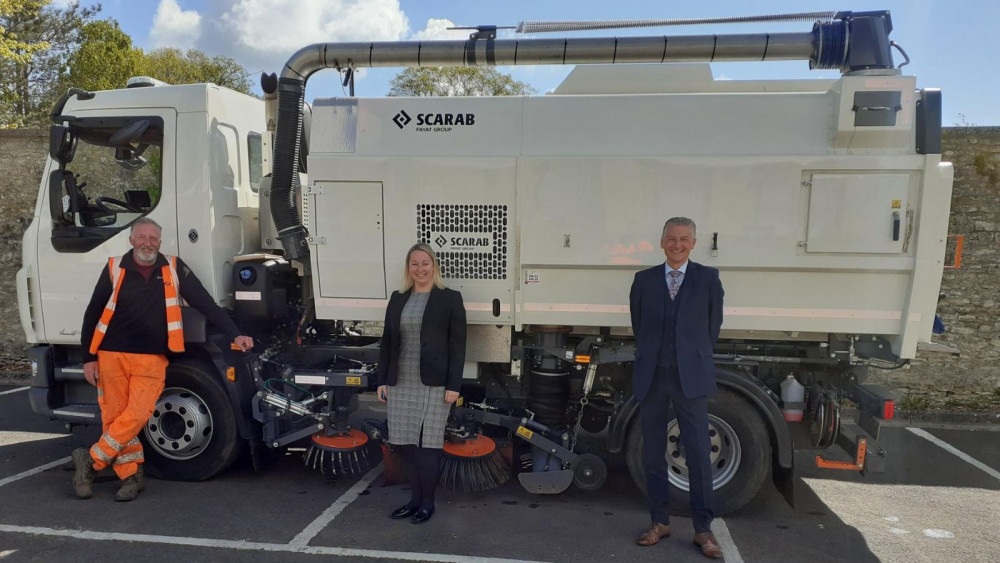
(408, 279)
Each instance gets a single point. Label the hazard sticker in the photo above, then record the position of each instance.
(897, 203)
(353, 381)
(524, 433)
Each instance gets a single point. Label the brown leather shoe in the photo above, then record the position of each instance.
(653, 534)
(709, 547)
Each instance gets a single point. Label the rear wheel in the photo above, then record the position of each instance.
(192, 434)
(740, 455)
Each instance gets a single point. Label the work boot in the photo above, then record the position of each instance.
(129, 489)
(140, 476)
(83, 476)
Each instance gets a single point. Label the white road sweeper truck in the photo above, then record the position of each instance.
(824, 204)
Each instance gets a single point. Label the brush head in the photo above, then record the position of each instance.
(473, 465)
(344, 453)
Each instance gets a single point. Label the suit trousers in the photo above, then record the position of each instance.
(692, 418)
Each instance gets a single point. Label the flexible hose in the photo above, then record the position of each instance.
(285, 179)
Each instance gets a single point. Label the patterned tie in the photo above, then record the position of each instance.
(674, 283)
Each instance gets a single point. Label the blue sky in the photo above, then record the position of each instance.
(951, 44)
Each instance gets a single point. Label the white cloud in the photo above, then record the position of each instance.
(284, 26)
(437, 29)
(174, 27)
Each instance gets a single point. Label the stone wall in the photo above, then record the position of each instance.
(22, 158)
(971, 312)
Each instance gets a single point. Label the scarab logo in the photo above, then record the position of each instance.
(440, 240)
(401, 119)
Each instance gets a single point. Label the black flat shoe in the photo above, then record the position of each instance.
(422, 516)
(403, 512)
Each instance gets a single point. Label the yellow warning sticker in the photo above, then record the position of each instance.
(354, 381)
(897, 203)
(524, 432)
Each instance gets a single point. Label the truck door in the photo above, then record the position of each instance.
(113, 169)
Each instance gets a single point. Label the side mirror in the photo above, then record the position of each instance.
(62, 144)
(60, 203)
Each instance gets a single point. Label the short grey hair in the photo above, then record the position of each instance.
(682, 222)
(145, 221)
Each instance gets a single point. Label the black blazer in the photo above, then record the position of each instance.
(698, 323)
(442, 340)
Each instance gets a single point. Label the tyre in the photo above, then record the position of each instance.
(192, 434)
(741, 455)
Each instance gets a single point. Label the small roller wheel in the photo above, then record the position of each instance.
(590, 472)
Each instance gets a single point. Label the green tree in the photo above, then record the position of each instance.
(192, 66)
(11, 47)
(105, 59)
(456, 81)
(30, 82)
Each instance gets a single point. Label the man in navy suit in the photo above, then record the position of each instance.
(676, 315)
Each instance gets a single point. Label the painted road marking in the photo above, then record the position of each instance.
(952, 449)
(338, 506)
(31, 472)
(729, 550)
(9, 391)
(11, 437)
(253, 546)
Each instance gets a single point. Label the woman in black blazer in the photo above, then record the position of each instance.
(421, 359)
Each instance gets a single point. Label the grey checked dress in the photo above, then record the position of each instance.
(413, 406)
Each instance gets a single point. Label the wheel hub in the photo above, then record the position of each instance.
(181, 424)
(725, 453)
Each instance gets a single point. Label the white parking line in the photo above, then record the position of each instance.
(729, 550)
(9, 391)
(253, 546)
(31, 472)
(338, 506)
(952, 449)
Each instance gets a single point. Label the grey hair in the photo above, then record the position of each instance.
(145, 221)
(682, 222)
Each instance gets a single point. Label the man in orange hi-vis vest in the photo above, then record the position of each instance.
(132, 323)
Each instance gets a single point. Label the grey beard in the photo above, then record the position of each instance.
(146, 256)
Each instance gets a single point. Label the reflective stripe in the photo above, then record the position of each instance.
(171, 292)
(129, 458)
(111, 442)
(100, 392)
(99, 454)
(109, 308)
(132, 442)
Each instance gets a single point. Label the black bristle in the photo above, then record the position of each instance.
(467, 474)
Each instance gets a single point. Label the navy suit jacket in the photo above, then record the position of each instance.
(699, 319)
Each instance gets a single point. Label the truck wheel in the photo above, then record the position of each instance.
(741, 455)
(192, 434)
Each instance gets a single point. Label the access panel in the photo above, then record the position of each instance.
(858, 213)
(348, 238)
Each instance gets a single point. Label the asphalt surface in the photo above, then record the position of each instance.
(930, 505)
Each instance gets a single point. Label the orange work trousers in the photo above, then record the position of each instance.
(128, 386)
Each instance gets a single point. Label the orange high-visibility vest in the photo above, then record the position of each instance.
(171, 294)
